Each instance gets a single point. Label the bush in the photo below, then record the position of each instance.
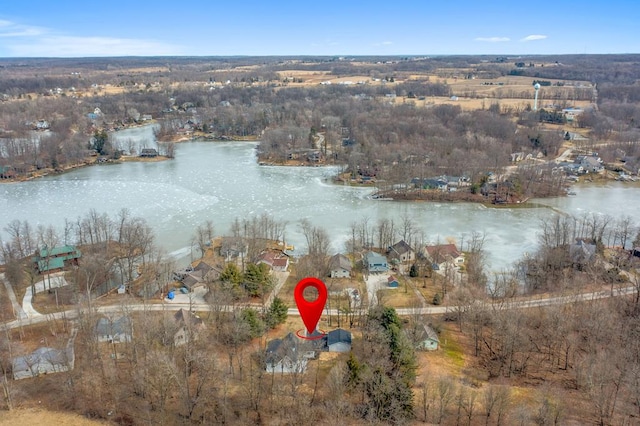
(437, 299)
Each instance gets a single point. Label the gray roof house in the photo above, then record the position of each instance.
(402, 252)
(42, 361)
(114, 330)
(339, 266)
(288, 355)
(375, 262)
(582, 252)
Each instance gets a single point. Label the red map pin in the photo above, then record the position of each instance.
(310, 311)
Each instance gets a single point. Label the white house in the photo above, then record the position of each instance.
(339, 266)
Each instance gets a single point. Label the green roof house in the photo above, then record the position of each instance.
(55, 259)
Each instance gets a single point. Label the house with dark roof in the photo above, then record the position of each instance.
(288, 355)
(339, 266)
(375, 262)
(402, 252)
(199, 275)
(114, 330)
(55, 259)
(149, 152)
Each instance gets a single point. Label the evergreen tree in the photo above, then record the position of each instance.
(276, 314)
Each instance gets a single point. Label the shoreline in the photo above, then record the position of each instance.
(413, 196)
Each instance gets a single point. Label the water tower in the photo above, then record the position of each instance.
(536, 87)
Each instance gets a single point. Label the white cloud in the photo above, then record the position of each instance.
(533, 37)
(10, 29)
(493, 39)
(66, 46)
(23, 40)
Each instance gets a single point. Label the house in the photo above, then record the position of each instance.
(375, 262)
(455, 182)
(55, 259)
(147, 117)
(442, 255)
(42, 125)
(428, 339)
(277, 260)
(570, 114)
(42, 361)
(114, 331)
(392, 282)
(189, 326)
(288, 355)
(339, 266)
(198, 276)
(582, 252)
(430, 183)
(314, 157)
(149, 152)
(590, 163)
(402, 252)
(338, 340)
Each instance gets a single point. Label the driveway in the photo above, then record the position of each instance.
(375, 282)
(53, 281)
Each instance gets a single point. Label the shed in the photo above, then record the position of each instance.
(392, 281)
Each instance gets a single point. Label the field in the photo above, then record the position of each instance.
(509, 92)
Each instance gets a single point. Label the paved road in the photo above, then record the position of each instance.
(430, 310)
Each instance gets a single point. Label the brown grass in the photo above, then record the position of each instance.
(41, 417)
(401, 297)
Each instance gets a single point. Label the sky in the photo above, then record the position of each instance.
(70, 28)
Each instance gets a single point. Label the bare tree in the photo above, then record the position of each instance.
(203, 236)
